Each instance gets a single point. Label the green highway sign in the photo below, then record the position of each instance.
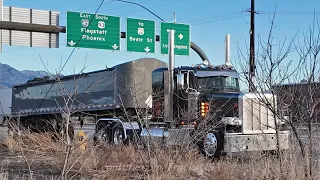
(93, 31)
(181, 38)
(140, 35)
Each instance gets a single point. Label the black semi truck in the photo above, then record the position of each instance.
(205, 106)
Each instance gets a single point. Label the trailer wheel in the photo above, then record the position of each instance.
(103, 134)
(117, 134)
(212, 144)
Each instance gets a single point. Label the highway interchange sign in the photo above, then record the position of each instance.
(93, 31)
(103, 32)
(140, 35)
(181, 38)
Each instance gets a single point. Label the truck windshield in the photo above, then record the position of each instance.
(218, 83)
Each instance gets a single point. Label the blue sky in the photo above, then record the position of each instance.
(210, 21)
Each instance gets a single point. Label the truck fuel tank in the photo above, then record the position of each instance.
(172, 136)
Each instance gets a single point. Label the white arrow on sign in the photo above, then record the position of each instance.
(71, 43)
(147, 49)
(115, 46)
(180, 36)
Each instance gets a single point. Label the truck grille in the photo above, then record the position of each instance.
(255, 116)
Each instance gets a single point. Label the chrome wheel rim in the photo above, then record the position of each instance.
(104, 136)
(117, 137)
(210, 144)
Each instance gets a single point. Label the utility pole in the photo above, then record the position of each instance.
(252, 67)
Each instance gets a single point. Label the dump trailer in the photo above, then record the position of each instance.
(119, 91)
(5, 104)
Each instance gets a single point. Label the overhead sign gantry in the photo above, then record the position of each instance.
(11, 16)
(31, 27)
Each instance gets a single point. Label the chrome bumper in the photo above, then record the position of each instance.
(255, 142)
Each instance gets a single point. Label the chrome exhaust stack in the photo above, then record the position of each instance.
(227, 47)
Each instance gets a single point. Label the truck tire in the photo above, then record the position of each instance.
(117, 134)
(102, 134)
(212, 144)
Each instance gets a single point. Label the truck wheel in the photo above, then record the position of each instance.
(102, 134)
(117, 134)
(212, 144)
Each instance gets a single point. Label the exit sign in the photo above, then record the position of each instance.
(141, 35)
(181, 38)
(93, 31)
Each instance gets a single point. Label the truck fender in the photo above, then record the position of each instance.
(128, 127)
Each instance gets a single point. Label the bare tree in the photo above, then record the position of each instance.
(280, 68)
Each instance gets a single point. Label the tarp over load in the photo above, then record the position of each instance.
(126, 85)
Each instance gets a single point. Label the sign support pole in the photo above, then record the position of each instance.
(171, 72)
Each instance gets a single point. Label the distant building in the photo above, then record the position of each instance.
(295, 100)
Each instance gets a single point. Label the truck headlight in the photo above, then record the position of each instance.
(231, 121)
(282, 121)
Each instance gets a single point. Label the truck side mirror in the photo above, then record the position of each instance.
(180, 81)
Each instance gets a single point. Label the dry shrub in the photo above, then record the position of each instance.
(3, 174)
(107, 162)
(34, 142)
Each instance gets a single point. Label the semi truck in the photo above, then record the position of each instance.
(146, 98)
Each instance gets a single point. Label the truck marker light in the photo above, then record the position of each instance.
(157, 108)
(204, 108)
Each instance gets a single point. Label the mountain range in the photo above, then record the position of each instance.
(10, 76)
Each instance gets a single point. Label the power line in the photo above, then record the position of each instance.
(172, 2)
(140, 6)
(218, 19)
(103, 10)
(116, 8)
(87, 7)
(289, 12)
(214, 17)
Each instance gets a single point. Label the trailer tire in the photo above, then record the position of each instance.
(102, 133)
(118, 136)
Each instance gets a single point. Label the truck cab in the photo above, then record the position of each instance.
(208, 106)
(200, 92)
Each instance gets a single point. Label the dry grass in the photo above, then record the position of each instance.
(129, 162)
